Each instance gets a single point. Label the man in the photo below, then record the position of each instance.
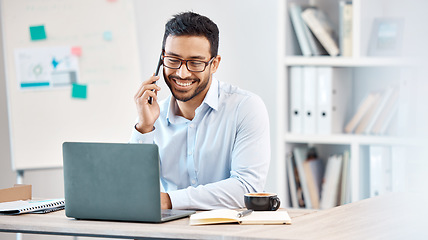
(213, 137)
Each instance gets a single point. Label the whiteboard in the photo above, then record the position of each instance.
(40, 120)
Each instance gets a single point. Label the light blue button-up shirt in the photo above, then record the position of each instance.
(210, 161)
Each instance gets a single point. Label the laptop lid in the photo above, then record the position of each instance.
(113, 181)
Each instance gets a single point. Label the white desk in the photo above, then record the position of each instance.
(381, 217)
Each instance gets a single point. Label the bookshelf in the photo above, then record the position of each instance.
(368, 73)
(345, 61)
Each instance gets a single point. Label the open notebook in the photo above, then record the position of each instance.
(230, 216)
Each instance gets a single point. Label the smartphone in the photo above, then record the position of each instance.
(156, 73)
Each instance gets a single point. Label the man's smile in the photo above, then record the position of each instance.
(183, 83)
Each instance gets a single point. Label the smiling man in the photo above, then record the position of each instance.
(213, 137)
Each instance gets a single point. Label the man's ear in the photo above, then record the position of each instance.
(215, 63)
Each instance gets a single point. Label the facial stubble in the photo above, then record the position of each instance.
(175, 92)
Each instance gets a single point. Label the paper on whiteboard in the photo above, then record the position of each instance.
(46, 68)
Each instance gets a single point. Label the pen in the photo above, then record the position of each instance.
(244, 213)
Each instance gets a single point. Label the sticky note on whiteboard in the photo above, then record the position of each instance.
(37, 33)
(76, 51)
(107, 35)
(79, 91)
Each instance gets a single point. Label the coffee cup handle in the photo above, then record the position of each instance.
(274, 202)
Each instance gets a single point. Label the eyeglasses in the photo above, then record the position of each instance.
(192, 65)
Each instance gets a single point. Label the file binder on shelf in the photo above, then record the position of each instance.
(331, 183)
(345, 28)
(309, 100)
(333, 99)
(322, 29)
(300, 156)
(300, 29)
(380, 170)
(345, 190)
(389, 120)
(314, 171)
(308, 43)
(296, 100)
(386, 98)
(398, 168)
(362, 110)
(385, 117)
(362, 125)
(292, 180)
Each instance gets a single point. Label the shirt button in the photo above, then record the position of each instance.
(189, 153)
(192, 125)
(193, 181)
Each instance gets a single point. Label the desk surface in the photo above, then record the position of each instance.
(381, 217)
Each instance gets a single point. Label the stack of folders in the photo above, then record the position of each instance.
(375, 113)
(319, 99)
(315, 33)
(315, 183)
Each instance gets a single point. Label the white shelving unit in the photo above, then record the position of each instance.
(345, 61)
(368, 73)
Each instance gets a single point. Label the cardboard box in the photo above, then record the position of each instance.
(17, 192)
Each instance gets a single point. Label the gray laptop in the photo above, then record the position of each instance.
(114, 181)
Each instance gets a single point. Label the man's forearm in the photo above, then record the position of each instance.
(228, 193)
(165, 201)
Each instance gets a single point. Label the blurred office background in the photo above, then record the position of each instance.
(247, 46)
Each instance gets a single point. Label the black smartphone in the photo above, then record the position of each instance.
(156, 73)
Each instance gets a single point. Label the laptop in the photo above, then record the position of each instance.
(114, 181)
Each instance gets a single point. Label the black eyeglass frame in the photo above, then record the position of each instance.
(186, 61)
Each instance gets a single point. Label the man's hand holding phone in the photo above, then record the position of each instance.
(147, 113)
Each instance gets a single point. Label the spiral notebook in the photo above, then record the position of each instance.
(31, 206)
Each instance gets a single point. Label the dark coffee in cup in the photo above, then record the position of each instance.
(262, 201)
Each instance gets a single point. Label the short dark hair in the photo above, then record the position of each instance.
(193, 24)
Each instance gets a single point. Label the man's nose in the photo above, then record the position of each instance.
(183, 72)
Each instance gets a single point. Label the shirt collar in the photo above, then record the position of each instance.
(211, 99)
